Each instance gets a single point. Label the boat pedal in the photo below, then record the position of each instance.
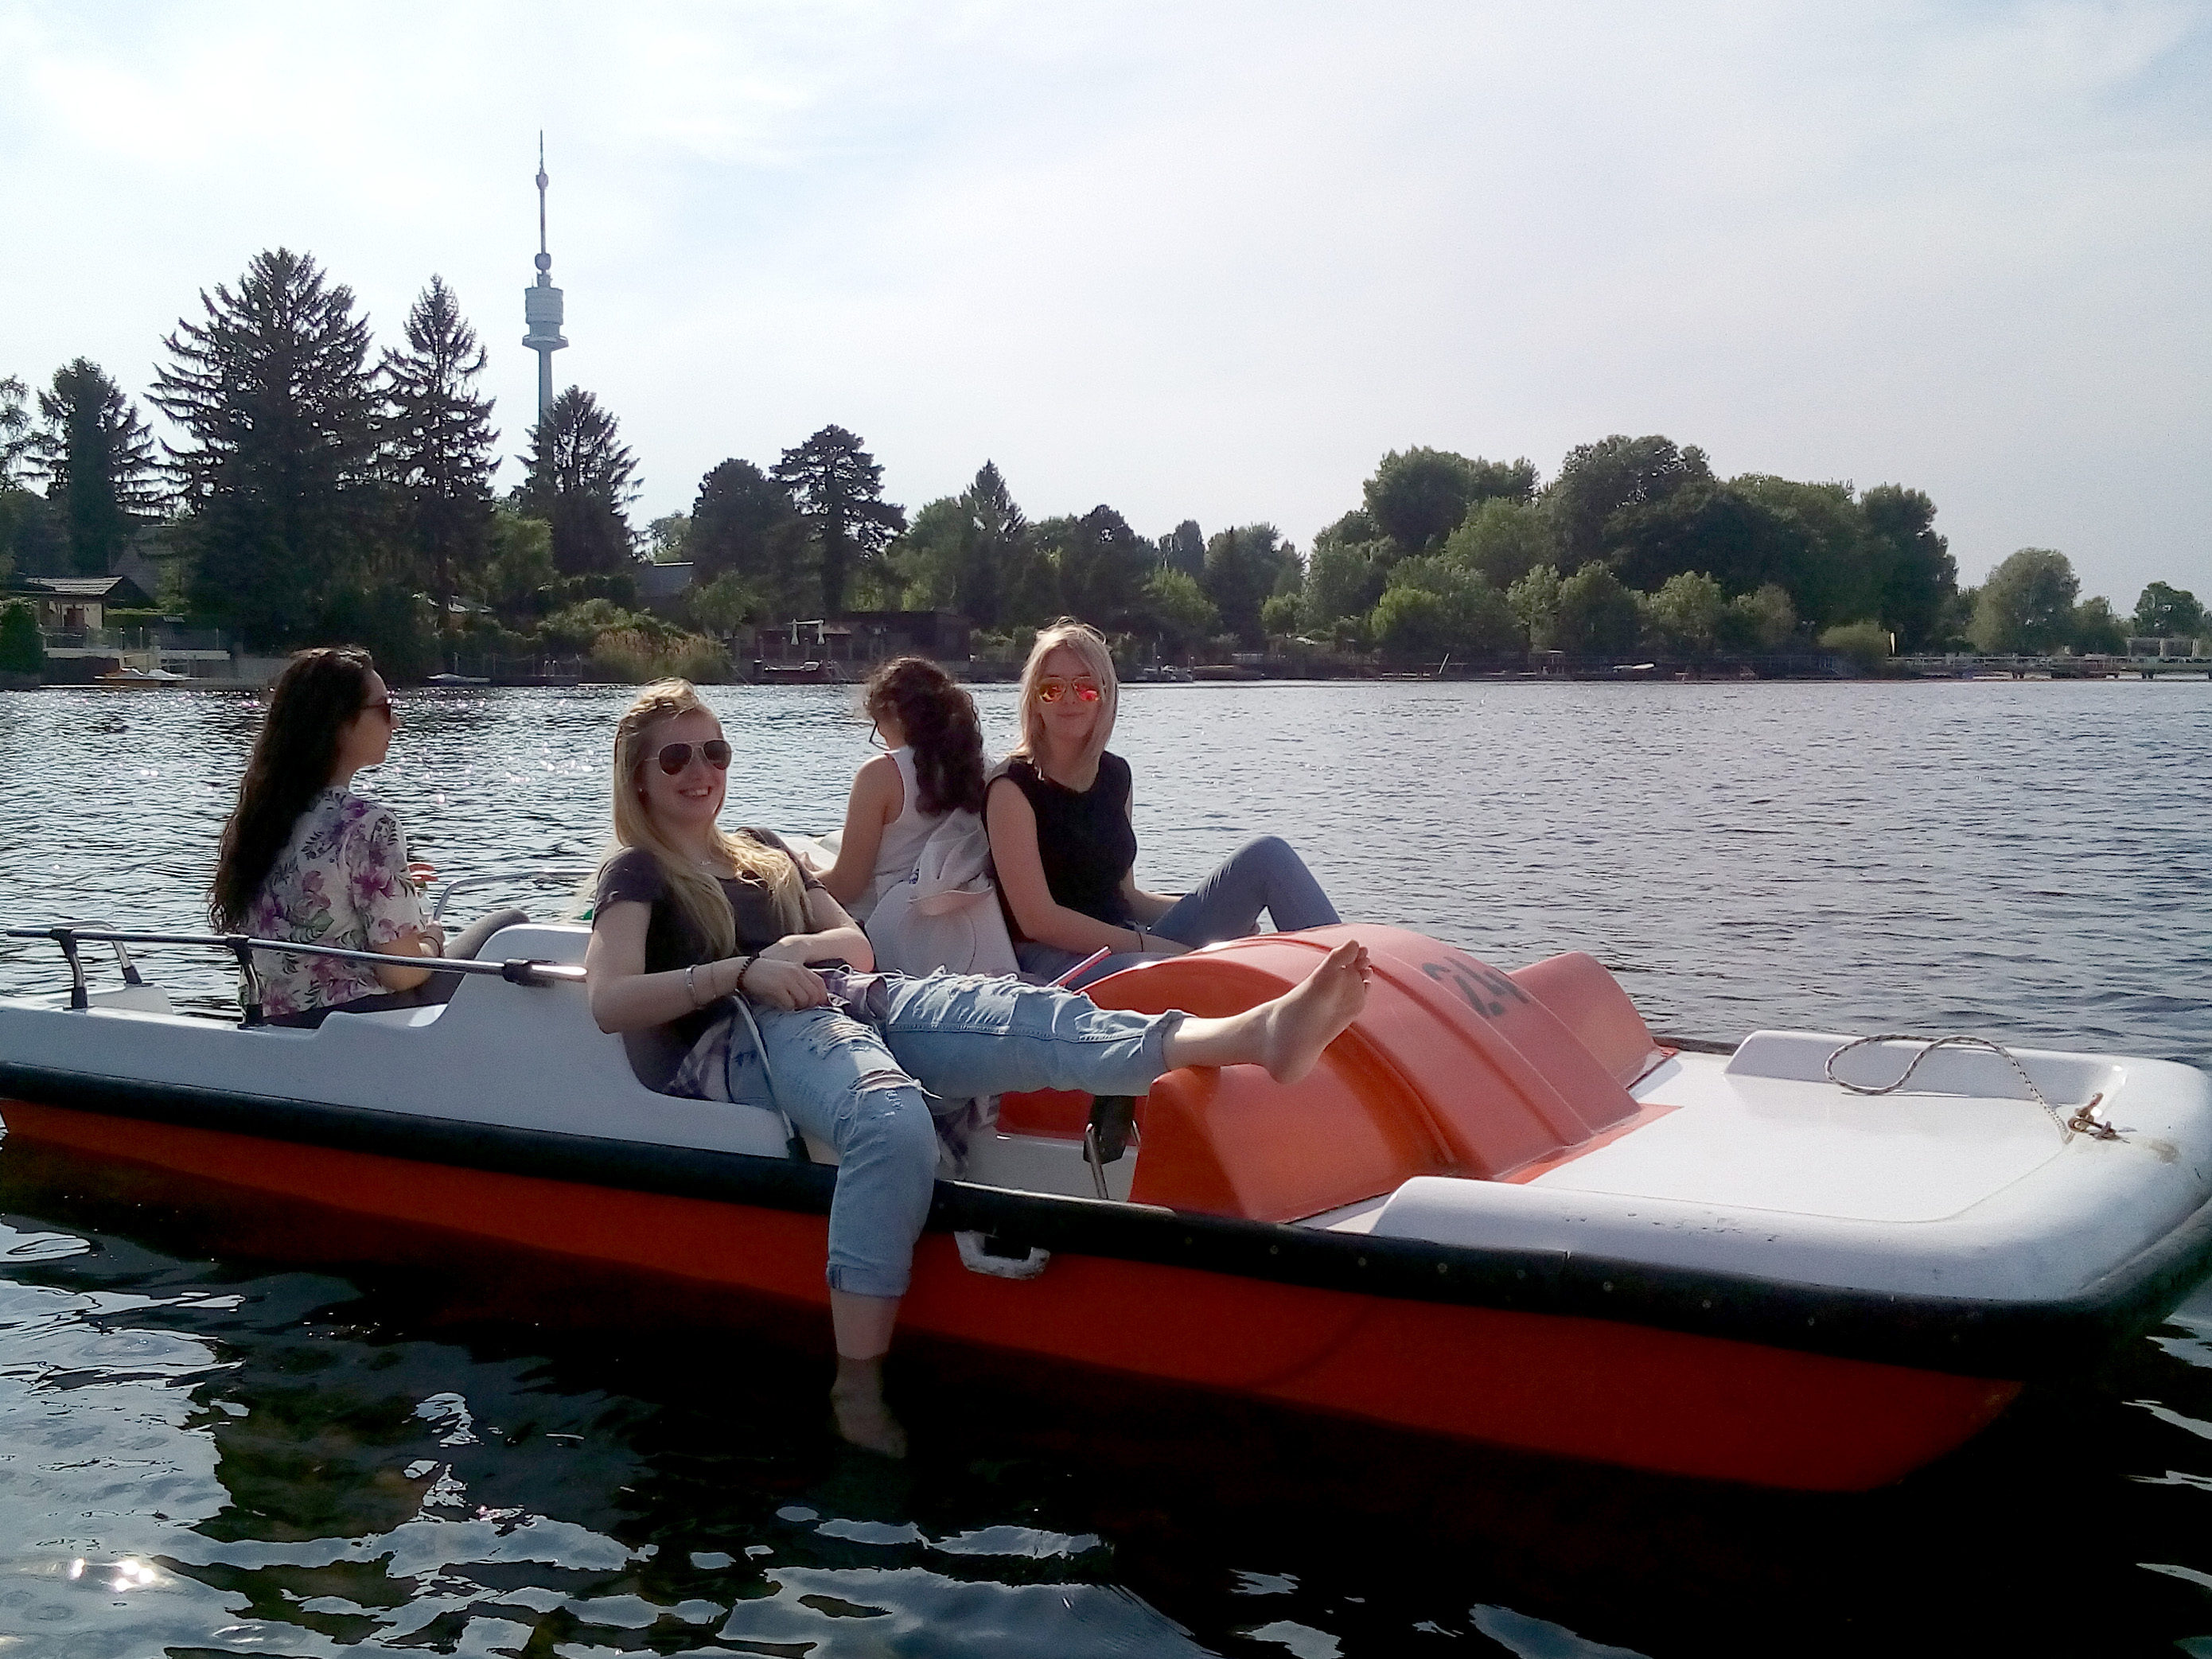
(1106, 1137)
(988, 1254)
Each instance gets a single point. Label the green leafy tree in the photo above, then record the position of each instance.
(1534, 602)
(438, 444)
(1866, 643)
(392, 623)
(2097, 629)
(16, 434)
(581, 482)
(977, 554)
(1687, 611)
(1346, 574)
(1432, 608)
(30, 536)
(1738, 540)
(1000, 568)
(1919, 577)
(667, 539)
(14, 443)
(1282, 614)
(1103, 566)
(1180, 613)
(929, 556)
(1183, 549)
(1418, 496)
(2168, 613)
(724, 604)
(1596, 481)
(2028, 603)
(519, 569)
(21, 651)
(1243, 566)
(1502, 540)
(276, 473)
(1763, 622)
(1597, 617)
(1822, 549)
(98, 458)
(839, 490)
(745, 523)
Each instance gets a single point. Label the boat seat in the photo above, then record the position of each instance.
(653, 1054)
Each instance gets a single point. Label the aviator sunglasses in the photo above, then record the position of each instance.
(1053, 690)
(675, 756)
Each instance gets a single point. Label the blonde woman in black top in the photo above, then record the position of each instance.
(1064, 841)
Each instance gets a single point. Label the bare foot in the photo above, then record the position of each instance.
(1307, 1017)
(856, 1401)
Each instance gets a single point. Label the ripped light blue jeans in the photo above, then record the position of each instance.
(859, 1086)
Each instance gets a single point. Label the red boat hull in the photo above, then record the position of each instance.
(1612, 1392)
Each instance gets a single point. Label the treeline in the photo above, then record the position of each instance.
(320, 488)
(1633, 545)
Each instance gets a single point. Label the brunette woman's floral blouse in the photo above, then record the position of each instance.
(341, 880)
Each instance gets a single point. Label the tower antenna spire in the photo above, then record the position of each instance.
(541, 300)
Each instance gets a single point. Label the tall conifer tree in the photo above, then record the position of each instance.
(276, 477)
(580, 483)
(98, 457)
(438, 442)
(839, 488)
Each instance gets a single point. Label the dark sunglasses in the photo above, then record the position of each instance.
(675, 756)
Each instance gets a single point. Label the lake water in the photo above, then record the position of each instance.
(240, 1430)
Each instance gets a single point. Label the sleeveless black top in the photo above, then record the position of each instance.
(1085, 840)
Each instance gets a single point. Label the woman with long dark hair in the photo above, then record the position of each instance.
(932, 765)
(689, 920)
(304, 860)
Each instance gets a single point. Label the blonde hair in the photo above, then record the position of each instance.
(697, 894)
(1088, 643)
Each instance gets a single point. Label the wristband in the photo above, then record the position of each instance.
(691, 982)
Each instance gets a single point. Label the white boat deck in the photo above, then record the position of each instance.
(1959, 1186)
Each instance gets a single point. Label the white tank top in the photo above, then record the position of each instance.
(903, 838)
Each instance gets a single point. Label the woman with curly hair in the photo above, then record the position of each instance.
(933, 765)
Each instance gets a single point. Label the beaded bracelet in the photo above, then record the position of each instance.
(746, 966)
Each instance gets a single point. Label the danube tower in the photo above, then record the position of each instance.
(541, 302)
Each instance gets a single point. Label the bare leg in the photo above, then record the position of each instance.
(863, 1327)
(1287, 1034)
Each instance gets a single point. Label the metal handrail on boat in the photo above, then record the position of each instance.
(516, 971)
(552, 876)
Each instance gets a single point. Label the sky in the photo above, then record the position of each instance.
(1205, 260)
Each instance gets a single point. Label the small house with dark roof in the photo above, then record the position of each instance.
(71, 605)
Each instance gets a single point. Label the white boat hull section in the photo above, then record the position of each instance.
(516, 1056)
(1961, 1187)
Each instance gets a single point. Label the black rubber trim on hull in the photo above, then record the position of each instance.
(2020, 1340)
